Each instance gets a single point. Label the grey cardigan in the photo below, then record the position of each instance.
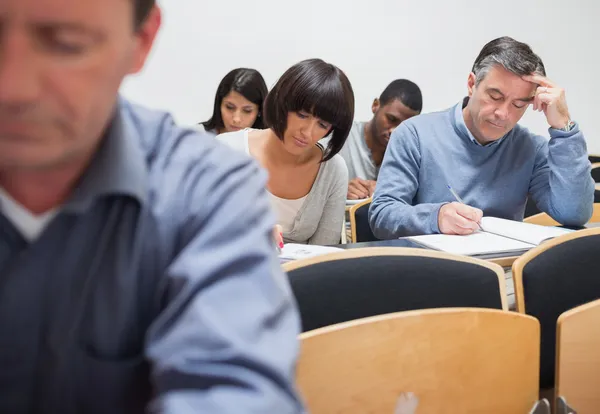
(320, 219)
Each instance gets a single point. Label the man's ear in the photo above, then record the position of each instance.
(145, 35)
(471, 81)
(376, 105)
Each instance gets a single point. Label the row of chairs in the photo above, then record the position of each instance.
(447, 361)
(549, 280)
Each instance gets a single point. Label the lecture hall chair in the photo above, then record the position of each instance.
(359, 223)
(578, 357)
(363, 282)
(596, 172)
(552, 278)
(453, 360)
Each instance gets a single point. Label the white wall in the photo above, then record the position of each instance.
(432, 42)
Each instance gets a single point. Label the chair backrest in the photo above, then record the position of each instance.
(359, 223)
(596, 172)
(594, 158)
(531, 208)
(358, 283)
(552, 278)
(541, 219)
(544, 219)
(578, 357)
(453, 360)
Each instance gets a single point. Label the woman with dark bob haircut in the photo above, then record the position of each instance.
(307, 182)
(238, 102)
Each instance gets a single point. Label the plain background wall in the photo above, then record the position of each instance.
(432, 42)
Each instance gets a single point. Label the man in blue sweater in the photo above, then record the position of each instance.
(478, 149)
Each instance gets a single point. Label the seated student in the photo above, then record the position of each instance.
(137, 261)
(238, 103)
(366, 144)
(478, 149)
(307, 182)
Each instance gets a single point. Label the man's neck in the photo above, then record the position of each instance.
(40, 191)
(376, 149)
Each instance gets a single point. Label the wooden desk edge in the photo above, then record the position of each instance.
(502, 261)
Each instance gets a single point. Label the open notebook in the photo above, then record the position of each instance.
(496, 236)
(293, 251)
(354, 202)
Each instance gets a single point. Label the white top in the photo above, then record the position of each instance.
(286, 211)
(200, 128)
(29, 225)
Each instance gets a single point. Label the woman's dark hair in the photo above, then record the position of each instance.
(247, 82)
(318, 88)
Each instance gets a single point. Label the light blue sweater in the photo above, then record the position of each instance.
(431, 151)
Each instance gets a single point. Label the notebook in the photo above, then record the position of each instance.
(354, 202)
(496, 236)
(294, 251)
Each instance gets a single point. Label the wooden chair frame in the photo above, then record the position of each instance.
(352, 214)
(521, 262)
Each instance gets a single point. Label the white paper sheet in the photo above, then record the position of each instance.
(293, 251)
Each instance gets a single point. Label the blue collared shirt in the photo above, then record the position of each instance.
(155, 288)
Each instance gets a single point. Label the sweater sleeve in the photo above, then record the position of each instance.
(561, 184)
(329, 229)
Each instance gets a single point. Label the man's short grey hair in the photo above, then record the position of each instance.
(514, 56)
(142, 11)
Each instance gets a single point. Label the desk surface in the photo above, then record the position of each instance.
(504, 260)
(501, 259)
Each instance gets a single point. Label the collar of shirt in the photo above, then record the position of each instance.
(118, 168)
(462, 126)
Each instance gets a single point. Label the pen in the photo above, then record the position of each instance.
(460, 200)
(456, 196)
(278, 238)
(279, 244)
